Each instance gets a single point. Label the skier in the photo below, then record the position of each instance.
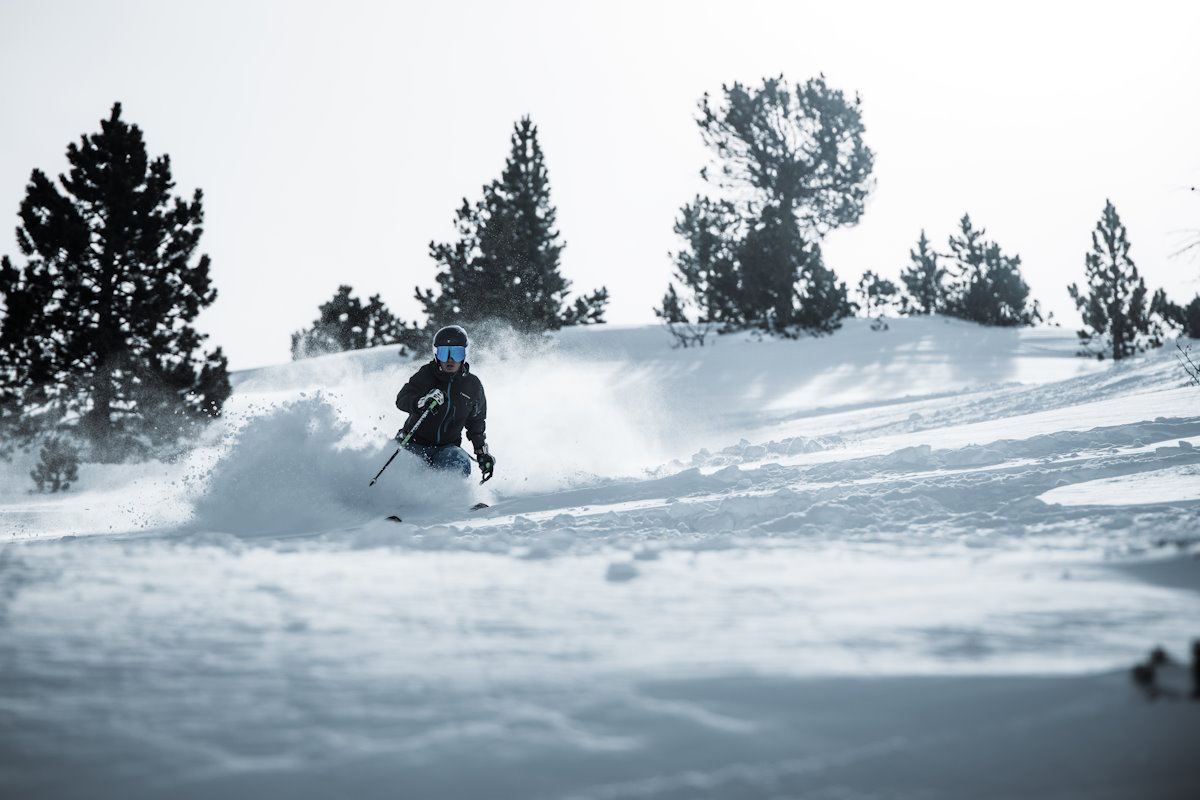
(454, 399)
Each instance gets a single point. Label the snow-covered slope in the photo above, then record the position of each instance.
(694, 561)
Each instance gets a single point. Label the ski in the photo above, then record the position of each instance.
(476, 507)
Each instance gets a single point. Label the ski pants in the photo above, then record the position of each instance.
(447, 456)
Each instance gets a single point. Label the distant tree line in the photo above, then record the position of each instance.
(99, 360)
(975, 280)
(790, 164)
(346, 324)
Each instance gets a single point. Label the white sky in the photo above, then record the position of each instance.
(333, 141)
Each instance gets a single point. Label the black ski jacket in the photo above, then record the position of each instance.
(465, 406)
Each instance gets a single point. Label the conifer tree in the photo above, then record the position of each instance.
(985, 285)
(966, 279)
(96, 334)
(1114, 303)
(796, 148)
(794, 158)
(707, 266)
(923, 281)
(346, 324)
(505, 264)
(771, 257)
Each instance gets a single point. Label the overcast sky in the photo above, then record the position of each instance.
(334, 141)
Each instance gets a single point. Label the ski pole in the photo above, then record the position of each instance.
(403, 442)
(476, 460)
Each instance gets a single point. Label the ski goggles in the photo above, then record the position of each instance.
(447, 352)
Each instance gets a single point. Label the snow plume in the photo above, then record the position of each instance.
(300, 468)
(304, 439)
(558, 417)
(362, 384)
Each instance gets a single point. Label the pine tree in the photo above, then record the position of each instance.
(985, 285)
(96, 333)
(346, 324)
(795, 148)
(966, 279)
(707, 265)
(822, 301)
(795, 158)
(785, 285)
(923, 281)
(1114, 304)
(505, 264)
(770, 258)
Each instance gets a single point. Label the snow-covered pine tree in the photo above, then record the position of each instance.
(505, 264)
(96, 334)
(1114, 303)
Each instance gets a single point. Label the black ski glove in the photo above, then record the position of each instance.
(486, 462)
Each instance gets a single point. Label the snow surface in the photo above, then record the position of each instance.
(907, 563)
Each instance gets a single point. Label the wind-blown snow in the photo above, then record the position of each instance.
(827, 567)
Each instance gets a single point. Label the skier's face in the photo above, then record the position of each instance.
(450, 365)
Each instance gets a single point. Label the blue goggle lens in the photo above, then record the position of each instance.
(447, 352)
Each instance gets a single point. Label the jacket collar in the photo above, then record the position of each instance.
(444, 377)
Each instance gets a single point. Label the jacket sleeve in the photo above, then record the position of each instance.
(406, 400)
(477, 421)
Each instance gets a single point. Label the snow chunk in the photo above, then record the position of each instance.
(620, 572)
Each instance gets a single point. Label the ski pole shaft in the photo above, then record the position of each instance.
(385, 466)
(403, 442)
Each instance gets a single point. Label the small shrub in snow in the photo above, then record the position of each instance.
(685, 332)
(1160, 677)
(878, 294)
(59, 465)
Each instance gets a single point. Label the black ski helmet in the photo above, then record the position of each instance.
(451, 336)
